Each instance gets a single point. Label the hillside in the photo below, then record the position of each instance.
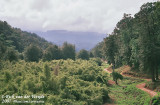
(13, 37)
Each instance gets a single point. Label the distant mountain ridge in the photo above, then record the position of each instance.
(82, 40)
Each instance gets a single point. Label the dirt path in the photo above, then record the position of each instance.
(139, 86)
(142, 87)
(107, 71)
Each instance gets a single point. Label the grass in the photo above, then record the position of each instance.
(126, 92)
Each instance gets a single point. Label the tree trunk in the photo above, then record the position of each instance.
(113, 67)
(153, 74)
(156, 72)
(116, 82)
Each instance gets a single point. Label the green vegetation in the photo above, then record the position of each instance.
(60, 81)
(135, 41)
(52, 52)
(153, 85)
(97, 50)
(55, 72)
(156, 100)
(116, 76)
(83, 54)
(32, 53)
(126, 93)
(16, 44)
(129, 95)
(68, 51)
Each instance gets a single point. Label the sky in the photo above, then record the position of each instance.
(73, 15)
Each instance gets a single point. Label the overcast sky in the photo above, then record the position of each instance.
(75, 15)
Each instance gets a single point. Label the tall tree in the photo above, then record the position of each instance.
(136, 41)
(51, 53)
(32, 53)
(83, 54)
(68, 51)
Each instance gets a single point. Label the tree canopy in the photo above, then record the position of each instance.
(135, 41)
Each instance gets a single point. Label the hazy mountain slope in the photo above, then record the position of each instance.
(82, 40)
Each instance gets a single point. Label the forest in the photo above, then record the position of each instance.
(135, 41)
(110, 73)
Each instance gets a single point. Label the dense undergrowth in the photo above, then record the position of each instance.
(60, 81)
(153, 86)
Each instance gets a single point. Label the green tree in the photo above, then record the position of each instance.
(97, 51)
(136, 41)
(148, 39)
(8, 76)
(32, 53)
(91, 55)
(2, 50)
(68, 51)
(110, 49)
(47, 72)
(116, 76)
(11, 55)
(83, 54)
(51, 53)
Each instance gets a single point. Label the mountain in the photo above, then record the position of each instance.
(82, 40)
(18, 39)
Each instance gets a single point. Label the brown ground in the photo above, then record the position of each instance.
(110, 82)
(108, 70)
(142, 87)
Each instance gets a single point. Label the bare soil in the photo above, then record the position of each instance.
(142, 87)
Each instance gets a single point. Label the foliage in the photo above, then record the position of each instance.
(11, 55)
(135, 41)
(78, 82)
(98, 61)
(52, 52)
(32, 53)
(7, 76)
(116, 76)
(155, 100)
(83, 54)
(97, 50)
(13, 37)
(126, 93)
(68, 51)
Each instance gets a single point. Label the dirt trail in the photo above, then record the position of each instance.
(106, 69)
(142, 87)
(139, 86)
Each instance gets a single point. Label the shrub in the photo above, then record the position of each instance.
(8, 76)
(116, 76)
(155, 100)
(98, 61)
(47, 72)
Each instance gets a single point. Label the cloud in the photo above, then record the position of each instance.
(76, 15)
